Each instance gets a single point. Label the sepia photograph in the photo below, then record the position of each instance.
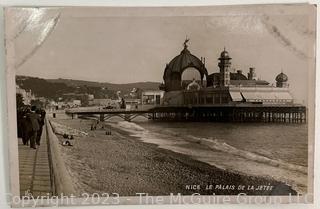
(121, 105)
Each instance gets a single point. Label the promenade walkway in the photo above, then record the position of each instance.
(34, 171)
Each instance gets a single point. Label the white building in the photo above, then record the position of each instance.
(26, 95)
(90, 97)
(74, 103)
(152, 97)
(102, 102)
(132, 104)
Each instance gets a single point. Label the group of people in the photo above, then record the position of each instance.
(30, 123)
(95, 124)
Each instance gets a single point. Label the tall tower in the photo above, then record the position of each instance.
(224, 65)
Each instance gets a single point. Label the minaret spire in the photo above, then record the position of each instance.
(185, 42)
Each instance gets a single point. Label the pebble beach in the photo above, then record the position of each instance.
(120, 163)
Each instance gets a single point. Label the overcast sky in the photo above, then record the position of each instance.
(129, 45)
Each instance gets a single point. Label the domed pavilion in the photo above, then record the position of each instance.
(173, 72)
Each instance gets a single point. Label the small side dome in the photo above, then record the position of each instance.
(282, 77)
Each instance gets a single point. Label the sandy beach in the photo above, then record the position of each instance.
(120, 163)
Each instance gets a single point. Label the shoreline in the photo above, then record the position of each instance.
(124, 164)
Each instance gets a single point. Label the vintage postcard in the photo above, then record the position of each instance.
(172, 105)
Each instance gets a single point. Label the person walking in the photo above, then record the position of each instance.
(34, 119)
(41, 113)
(20, 114)
(26, 126)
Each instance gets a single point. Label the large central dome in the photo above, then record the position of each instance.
(173, 71)
(183, 61)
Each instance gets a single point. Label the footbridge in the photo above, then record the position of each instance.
(105, 114)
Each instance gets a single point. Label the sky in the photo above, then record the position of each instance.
(124, 45)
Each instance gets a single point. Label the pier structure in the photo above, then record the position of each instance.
(227, 95)
(217, 113)
(225, 113)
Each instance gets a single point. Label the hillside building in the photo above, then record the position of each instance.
(26, 95)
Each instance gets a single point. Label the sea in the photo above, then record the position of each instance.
(277, 151)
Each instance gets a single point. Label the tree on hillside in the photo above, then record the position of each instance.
(84, 101)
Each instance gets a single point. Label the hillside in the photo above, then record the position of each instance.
(55, 88)
(115, 87)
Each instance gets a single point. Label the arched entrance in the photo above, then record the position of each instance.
(185, 61)
(188, 75)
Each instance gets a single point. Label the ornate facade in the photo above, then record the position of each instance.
(223, 87)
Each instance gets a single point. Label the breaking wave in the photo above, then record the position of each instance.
(224, 147)
(129, 126)
(211, 143)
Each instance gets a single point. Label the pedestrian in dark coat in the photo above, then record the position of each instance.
(41, 114)
(34, 119)
(19, 121)
(26, 126)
